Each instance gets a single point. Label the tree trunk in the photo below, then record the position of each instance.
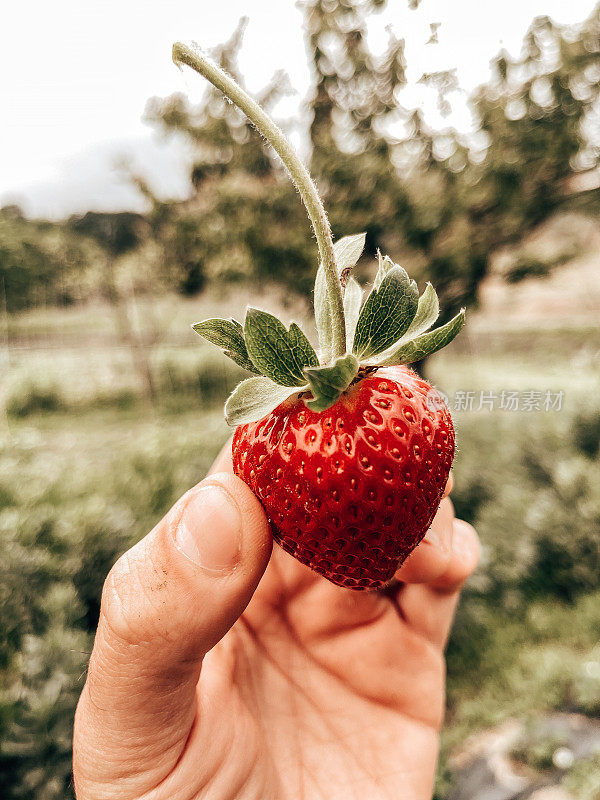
(128, 335)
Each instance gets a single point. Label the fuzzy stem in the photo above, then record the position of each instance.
(182, 54)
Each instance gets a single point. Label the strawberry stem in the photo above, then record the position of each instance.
(182, 54)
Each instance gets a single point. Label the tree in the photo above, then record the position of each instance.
(40, 262)
(118, 235)
(243, 220)
(537, 115)
(450, 201)
(353, 101)
(442, 202)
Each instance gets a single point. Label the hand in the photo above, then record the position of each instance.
(204, 684)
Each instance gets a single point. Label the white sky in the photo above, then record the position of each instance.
(75, 75)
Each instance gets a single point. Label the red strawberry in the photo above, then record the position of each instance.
(348, 459)
(351, 491)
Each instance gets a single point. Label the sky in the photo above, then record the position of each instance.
(75, 77)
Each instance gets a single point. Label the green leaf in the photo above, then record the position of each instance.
(352, 301)
(227, 334)
(425, 345)
(327, 383)
(254, 398)
(278, 353)
(387, 313)
(347, 252)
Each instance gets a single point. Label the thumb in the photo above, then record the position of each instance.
(165, 604)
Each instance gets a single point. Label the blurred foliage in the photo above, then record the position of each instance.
(76, 489)
(453, 200)
(537, 750)
(115, 236)
(41, 263)
(244, 219)
(79, 482)
(441, 201)
(555, 552)
(584, 780)
(63, 522)
(117, 233)
(586, 433)
(203, 376)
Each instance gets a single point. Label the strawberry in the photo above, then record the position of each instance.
(351, 491)
(348, 450)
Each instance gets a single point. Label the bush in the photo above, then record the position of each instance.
(207, 375)
(29, 399)
(584, 780)
(537, 751)
(63, 523)
(77, 489)
(586, 433)
(203, 374)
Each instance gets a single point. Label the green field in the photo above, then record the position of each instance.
(87, 466)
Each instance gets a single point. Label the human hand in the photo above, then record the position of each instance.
(202, 685)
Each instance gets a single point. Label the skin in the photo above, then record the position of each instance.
(204, 683)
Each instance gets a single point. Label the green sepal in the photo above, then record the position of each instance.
(254, 398)
(385, 265)
(386, 314)
(347, 251)
(428, 310)
(424, 345)
(227, 334)
(328, 383)
(279, 353)
(352, 302)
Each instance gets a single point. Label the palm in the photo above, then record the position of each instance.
(315, 692)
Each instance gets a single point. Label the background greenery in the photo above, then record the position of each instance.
(111, 408)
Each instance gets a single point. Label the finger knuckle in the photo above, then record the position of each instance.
(117, 605)
(128, 603)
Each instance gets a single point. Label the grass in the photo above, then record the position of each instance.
(169, 317)
(87, 467)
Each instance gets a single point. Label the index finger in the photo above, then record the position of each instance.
(429, 607)
(430, 560)
(223, 462)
